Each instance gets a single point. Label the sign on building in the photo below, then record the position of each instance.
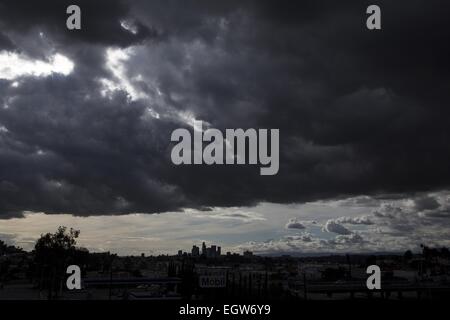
(212, 281)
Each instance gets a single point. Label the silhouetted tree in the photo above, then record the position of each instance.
(53, 252)
(4, 270)
(408, 255)
(3, 248)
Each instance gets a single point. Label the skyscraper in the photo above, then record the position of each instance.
(195, 251)
(204, 249)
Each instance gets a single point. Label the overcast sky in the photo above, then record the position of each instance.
(86, 118)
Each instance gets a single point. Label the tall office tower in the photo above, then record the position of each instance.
(219, 251)
(204, 249)
(195, 251)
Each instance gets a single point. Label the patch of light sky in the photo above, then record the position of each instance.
(169, 232)
(14, 65)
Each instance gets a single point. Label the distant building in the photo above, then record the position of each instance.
(211, 252)
(180, 252)
(248, 254)
(195, 251)
(204, 249)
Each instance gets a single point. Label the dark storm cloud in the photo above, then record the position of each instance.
(91, 157)
(5, 42)
(101, 21)
(359, 112)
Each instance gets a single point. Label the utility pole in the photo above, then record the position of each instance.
(305, 290)
(110, 276)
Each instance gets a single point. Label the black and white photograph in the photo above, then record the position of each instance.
(203, 152)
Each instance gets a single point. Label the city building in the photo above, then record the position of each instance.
(248, 254)
(203, 249)
(195, 252)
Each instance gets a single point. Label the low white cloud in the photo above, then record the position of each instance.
(334, 227)
(227, 214)
(306, 244)
(363, 220)
(353, 238)
(294, 223)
